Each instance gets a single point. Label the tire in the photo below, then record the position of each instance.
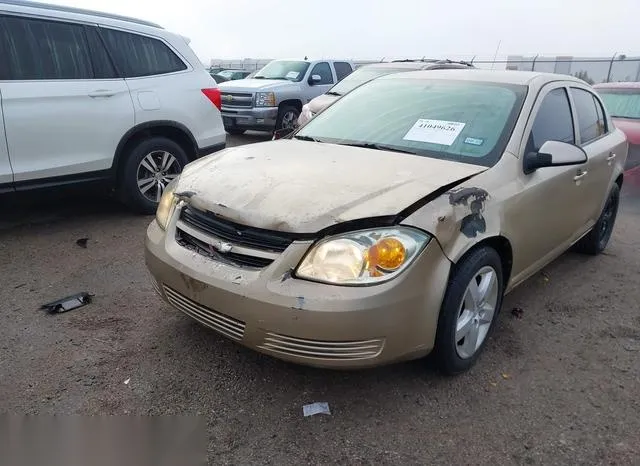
(235, 131)
(287, 117)
(594, 242)
(137, 167)
(457, 353)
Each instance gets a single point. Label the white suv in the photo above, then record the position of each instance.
(89, 96)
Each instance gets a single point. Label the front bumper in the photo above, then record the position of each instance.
(301, 321)
(255, 118)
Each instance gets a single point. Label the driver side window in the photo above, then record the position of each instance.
(554, 121)
(324, 71)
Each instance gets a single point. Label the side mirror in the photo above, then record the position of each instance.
(554, 154)
(315, 79)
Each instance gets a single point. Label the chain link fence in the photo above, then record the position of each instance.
(592, 70)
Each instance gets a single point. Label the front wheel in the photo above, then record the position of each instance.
(596, 240)
(150, 166)
(469, 309)
(287, 118)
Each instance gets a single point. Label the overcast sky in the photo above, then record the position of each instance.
(371, 29)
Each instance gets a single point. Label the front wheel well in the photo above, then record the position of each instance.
(179, 135)
(503, 247)
(619, 180)
(292, 102)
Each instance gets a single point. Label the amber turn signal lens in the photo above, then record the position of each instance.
(387, 254)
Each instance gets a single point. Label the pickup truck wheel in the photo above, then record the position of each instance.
(287, 117)
(149, 167)
(596, 240)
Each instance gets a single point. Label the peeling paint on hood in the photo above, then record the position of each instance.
(303, 187)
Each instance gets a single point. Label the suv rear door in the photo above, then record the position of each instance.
(65, 109)
(6, 174)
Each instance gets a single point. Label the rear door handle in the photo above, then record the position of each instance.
(581, 174)
(612, 156)
(102, 93)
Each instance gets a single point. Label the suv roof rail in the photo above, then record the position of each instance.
(81, 11)
(413, 60)
(433, 60)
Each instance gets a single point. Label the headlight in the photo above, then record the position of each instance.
(265, 99)
(167, 204)
(362, 257)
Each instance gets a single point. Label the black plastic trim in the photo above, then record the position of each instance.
(202, 151)
(88, 177)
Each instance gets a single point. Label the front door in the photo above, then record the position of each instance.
(64, 109)
(322, 69)
(545, 213)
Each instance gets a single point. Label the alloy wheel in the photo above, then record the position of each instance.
(155, 171)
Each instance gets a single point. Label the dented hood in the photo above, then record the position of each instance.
(303, 187)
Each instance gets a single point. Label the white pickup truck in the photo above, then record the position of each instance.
(274, 97)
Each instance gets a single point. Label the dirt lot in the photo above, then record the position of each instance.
(561, 385)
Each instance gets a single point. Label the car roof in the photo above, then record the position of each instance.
(527, 78)
(78, 11)
(618, 85)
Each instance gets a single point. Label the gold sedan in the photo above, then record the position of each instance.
(393, 223)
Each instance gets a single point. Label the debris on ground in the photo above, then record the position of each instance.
(126, 382)
(68, 303)
(517, 312)
(19, 286)
(82, 242)
(506, 376)
(316, 408)
(545, 277)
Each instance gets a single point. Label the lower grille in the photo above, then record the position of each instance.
(328, 350)
(228, 326)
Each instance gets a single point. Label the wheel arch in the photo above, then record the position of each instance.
(292, 102)
(173, 130)
(504, 249)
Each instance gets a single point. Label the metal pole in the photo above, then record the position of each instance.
(533, 64)
(611, 66)
(496, 54)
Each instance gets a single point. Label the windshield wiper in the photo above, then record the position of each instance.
(334, 93)
(306, 138)
(368, 145)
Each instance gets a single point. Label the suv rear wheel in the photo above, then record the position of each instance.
(149, 167)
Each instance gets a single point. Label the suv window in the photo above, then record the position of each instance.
(589, 123)
(324, 71)
(37, 49)
(343, 69)
(553, 121)
(137, 55)
(102, 64)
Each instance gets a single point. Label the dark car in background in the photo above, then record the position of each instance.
(230, 75)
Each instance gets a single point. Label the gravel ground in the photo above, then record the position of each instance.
(559, 385)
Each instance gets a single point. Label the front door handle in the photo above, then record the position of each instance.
(102, 93)
(612, 156)
(581, 174)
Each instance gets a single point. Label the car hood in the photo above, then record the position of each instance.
(304, 187)
(321, 102)
(630, 127)
(250, 85)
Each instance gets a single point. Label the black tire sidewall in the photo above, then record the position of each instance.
(462, 273)
(614, 193)
(282, 112)
(131, 194)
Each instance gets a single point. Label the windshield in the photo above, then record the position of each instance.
(464, 121)
(361, 76)
(621, 103)
(226, 74)
(281, 69)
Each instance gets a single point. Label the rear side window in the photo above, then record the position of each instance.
(553, 121)
(602, 122)
(324, 71)
(137, 55)
(102, 65)
(343, 69)
(37, 49)
(590, 124)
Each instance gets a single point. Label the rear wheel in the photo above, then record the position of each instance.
(469, 309)
(150, 166)
(596, 240)
(287, 117)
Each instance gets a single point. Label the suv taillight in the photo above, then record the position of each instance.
(214, 96)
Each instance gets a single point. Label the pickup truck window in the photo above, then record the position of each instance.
(284, 69)
(343, 70)
(324, 71)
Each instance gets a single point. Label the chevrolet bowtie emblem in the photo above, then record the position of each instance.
(227, 97)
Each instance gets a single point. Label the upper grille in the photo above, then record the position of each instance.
(313, 349)
(236, 99)
(226, 325)
(226, 230)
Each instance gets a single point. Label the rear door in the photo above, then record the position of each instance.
(595, 138)
(343, 69)
(6, 173)
(65, 110)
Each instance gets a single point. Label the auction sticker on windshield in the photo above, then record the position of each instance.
(292, 75)
(435, 131)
